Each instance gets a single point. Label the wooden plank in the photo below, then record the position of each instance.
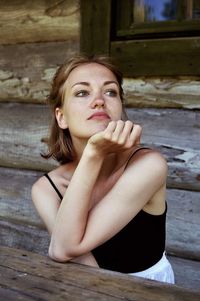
(183, 223)
(23, 236)
(23, 130)
(159, 57)
(15, 196)
(29, 79)
(187, 272)
(175, 133)
(112, 284)
(21, 226)
(167, 92)
(36, 286)
(95, 26)
(22, 142)
(36, 21)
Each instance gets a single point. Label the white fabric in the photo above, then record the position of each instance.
(161, 271)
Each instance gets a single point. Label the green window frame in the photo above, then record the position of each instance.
(153, 49)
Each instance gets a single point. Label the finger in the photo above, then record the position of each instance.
(108, 132)
(118, 130)
(128, 127)
(135, 134)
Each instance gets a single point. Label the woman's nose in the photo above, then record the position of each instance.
(98, 102)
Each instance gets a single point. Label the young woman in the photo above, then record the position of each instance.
(105, 204)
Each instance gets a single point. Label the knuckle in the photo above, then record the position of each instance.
(114, 138)
(107, 136)
(129, 123)
(121, 142)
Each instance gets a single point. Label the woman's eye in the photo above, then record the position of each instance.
(81, 93)
(112, 93)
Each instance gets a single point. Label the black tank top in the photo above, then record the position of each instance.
(138, 246)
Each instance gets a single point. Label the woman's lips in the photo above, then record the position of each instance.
(99, 116)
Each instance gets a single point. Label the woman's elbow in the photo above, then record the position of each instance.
(57, 254)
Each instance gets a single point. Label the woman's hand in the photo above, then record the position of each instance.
(119, 136)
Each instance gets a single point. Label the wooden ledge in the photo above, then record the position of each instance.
(32, 276)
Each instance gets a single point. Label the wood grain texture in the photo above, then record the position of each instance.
(183, 223)
(29, 79)
(105, 284)
(36, 21)
(23, 236)
(158, 57)
(162, 92)
(187, 272)
(23, 129)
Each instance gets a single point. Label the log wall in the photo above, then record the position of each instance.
(35, 38)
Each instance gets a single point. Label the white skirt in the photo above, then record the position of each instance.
(161, 271)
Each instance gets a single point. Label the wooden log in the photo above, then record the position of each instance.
(23, 130)
(21, 226)
(36, 21)
(158, 57)
(15, 197)
(108, 283)
(163, 92)
(33, 287)
(174, 133)
(29, 79)
(183, 224)
(23, 236)
(187, 272)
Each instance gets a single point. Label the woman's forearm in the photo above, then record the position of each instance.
(72, 215)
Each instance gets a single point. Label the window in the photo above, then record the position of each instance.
(148, 37)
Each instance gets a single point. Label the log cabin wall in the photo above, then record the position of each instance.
(35, 37)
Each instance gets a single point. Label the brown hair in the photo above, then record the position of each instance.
(59, 142)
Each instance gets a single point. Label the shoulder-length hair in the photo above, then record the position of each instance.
(60, 145)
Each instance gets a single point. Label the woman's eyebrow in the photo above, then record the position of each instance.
(88, 84)
(110, 82)
(81, 83)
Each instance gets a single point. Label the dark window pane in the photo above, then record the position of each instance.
(196, 9)
(154, 10)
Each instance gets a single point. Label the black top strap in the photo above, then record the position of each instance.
(131, 156)
(54, 186)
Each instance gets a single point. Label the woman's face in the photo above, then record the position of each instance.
(91, 101)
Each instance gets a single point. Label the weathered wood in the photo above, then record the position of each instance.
(183, 223)
(15, 196)
(158, 56)
(187, 272)
(95, 31)
(175, 133)
(23, 130)
(36, 21)
(104, 283)
(21, 226)
(171, 92)
(28, 79)
(32, 287)
(22, 143)
(23, 236)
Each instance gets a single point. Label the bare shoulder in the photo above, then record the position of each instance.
(150, 156)
(60, 177)
(149, 162)
(40, 187)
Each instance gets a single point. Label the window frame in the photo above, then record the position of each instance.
(139, 54)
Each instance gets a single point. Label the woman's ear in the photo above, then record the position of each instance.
(61, 118)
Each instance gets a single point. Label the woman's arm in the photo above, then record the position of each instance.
(47, 205)
(77, 231)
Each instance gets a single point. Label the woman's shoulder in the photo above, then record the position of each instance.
(60, 177)
(146, 158)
